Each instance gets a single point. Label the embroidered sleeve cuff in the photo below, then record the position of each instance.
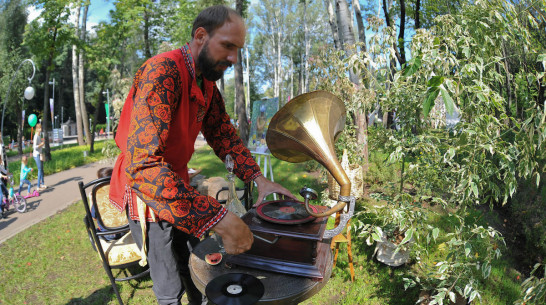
(256, 175)
(223, 211)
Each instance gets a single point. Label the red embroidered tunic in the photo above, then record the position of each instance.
(160, 120)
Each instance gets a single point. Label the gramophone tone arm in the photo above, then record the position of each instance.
(344, 217)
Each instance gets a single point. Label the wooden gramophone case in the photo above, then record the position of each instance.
(304, 129)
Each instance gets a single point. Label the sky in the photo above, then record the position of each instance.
(98, 11)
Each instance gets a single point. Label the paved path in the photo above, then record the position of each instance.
(62, 191)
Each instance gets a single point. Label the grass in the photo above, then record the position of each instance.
(53, 262)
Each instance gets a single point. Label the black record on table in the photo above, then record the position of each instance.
(235, 289)
(285, 212)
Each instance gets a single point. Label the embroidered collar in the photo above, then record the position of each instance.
(188, 59)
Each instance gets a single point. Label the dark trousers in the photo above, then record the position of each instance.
(168, 258)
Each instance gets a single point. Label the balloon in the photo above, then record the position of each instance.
(32, 120)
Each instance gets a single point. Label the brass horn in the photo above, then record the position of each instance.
(306, 128)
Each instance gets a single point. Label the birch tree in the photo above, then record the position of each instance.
(75, 81)
(81, 75)
(333, 24)
(275, 23)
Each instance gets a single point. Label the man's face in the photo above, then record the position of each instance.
(219, 51)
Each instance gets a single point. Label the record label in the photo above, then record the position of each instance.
(285, 212)
(234, 289)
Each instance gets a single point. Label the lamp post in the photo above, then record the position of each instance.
(51, 103)
(28, 94)
(107, 112)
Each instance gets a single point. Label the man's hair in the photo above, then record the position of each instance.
(212, 18)
(105, 172)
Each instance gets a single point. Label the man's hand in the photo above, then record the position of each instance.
(266, 187)
(236, 235)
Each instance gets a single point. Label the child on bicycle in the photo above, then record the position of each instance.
(23, 176)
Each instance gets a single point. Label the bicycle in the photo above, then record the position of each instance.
(13, 200)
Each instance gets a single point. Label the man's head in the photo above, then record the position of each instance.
(217, 34)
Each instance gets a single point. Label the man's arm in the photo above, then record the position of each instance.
(157, 91)
(223, 139)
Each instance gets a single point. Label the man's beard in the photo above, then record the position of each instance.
(207, 65)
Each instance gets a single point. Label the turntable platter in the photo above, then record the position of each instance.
(285, 212)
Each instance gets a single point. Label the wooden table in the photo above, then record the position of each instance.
(280, 289)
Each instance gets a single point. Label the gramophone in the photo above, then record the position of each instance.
(291, 235)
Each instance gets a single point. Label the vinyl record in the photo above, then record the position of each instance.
(234, 289)
(285, 212)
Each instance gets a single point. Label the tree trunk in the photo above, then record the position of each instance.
(402, 59)
(389, 23)
(95, 120)
(333, 24)
(362, 137)
(239, 88)
(278, 63)
(20, 124)
(360, 24)
(307, 48)
(147, 51)
(240, 100)
(75, 82)
(417, 12)
(346, 32)
(388, 116)
(81, 77)
(507, 85)
(247, 67)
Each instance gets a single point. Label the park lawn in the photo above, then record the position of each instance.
(53, 262)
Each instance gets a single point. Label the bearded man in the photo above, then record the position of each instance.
(172, 99)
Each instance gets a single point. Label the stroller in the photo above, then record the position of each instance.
(12, 200)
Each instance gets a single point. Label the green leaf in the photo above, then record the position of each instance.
(376, 237)
(466, 52)
(407, 238)
(474, 188)
(435, 81)
(432, 93)
(448, 101)
(473, 295)
(435, 233)
(541, 57)
(467, 290)
(412, 66)
(486, 270)
(452, 296)
(467, 249)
